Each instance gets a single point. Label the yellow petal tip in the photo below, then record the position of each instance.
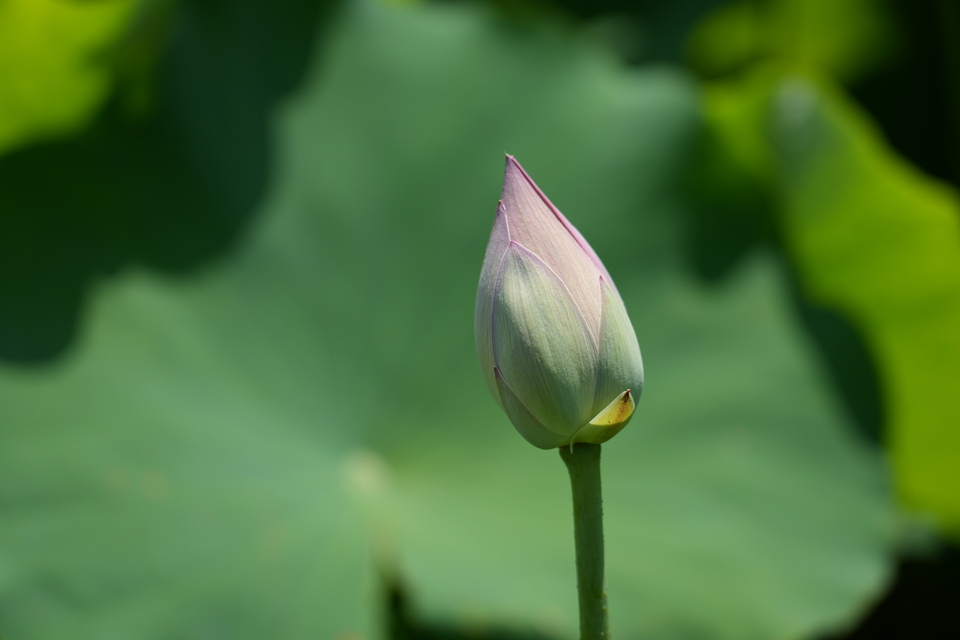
(608, 422)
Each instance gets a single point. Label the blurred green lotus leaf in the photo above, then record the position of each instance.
(148, 497)
(868, 236)
(876, 239)
(740, 504)
(201, 465)
(53, 65)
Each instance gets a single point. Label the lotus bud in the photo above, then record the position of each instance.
(557, 349)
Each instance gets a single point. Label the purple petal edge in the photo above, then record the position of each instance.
(513, 244)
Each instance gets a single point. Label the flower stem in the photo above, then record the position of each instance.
(583, 462)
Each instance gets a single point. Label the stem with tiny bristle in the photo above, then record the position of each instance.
(583, 463)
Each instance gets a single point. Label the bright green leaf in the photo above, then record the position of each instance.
(845, 39)
(877, 240)
(52, 65)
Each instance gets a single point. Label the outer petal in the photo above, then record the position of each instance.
(620, 366)
(541, 343)
(540, 227)
(526, 423)
(483, 313)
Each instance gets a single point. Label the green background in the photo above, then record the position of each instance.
(239, 249)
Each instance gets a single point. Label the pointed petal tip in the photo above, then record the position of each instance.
(617, 412)
(512, 164)
(515, 247)
(516, 179)
(514, 172)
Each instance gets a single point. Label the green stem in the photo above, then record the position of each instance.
(583, 462)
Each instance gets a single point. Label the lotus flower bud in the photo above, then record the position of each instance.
(557, 349)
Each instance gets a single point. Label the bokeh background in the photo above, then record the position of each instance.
(239, 247)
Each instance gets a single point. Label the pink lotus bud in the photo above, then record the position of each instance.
(556, 346)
